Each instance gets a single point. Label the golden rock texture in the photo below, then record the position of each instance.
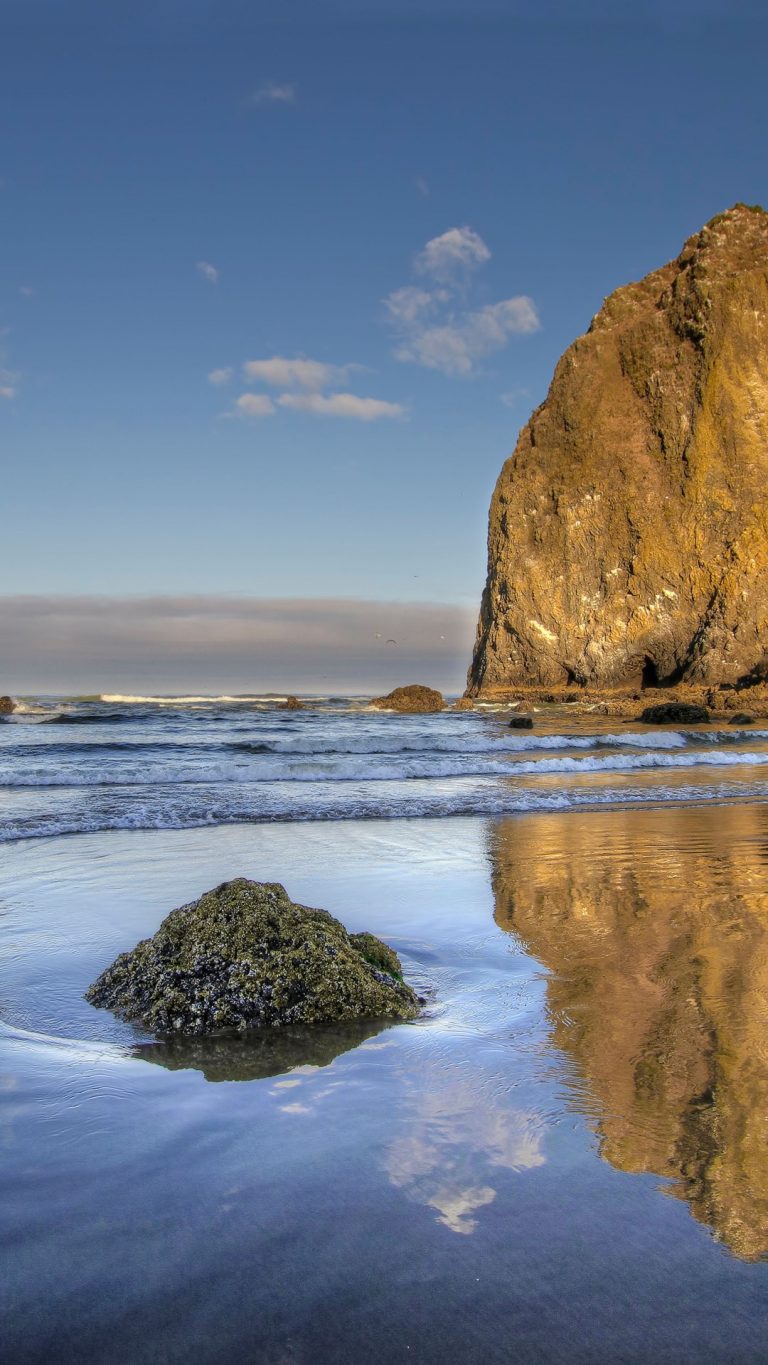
(653, 928)
(628, 532)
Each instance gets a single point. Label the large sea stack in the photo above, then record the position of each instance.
(628, 535)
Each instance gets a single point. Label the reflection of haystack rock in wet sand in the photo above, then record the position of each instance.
(657, 943)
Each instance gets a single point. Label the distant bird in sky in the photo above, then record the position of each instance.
(377, 636)
(391, 642)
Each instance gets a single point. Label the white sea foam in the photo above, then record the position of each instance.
(189, 759)
(178, 808)
(128, 699)
(125, 769)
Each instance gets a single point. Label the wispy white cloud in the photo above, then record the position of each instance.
(280, 372)
(272, 92)
(220, 377)
(208, 272)
(27, 292)
(341, 405)
(512, 397)
(307, 386)
(455, 347)
(254, 405)
(8, 383)
(410, 304)
(421, 185)
(452, 253)
(436, 327)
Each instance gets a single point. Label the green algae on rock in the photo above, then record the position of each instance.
(245, 955)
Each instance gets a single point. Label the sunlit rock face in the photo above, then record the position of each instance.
(628, 532)
(654, 927)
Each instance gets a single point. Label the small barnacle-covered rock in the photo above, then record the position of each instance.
(245, 955)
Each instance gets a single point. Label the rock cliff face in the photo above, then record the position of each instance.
(628, 534)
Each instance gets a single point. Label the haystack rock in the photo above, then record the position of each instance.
(628, 533)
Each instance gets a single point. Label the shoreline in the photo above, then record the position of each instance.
(626, 704)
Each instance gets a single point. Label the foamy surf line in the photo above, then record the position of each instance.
(375, 746)
(154, 809)
(265, 768)
(128, 699)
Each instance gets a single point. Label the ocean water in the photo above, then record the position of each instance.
(564, 1160)
(69, 766)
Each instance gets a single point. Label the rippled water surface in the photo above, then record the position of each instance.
(70, 766)
(564, 1160)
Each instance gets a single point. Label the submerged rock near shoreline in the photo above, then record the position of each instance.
(245, 955)
(413, 698)
(675, 713)
(628, 532)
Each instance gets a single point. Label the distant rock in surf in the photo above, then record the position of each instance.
(413, 698)
(7, 705)
(291, 704)
(521, 723)
(675, 713)
(244, 956)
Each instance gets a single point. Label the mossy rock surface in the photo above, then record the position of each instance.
(245, 955)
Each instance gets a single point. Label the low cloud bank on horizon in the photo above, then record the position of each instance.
(218, 644)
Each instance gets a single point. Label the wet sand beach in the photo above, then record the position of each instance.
(562, 1160)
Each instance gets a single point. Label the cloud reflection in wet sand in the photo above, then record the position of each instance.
(457, 1135)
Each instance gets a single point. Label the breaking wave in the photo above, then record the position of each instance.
(179, 762)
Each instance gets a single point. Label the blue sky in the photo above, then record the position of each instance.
(186, 188)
